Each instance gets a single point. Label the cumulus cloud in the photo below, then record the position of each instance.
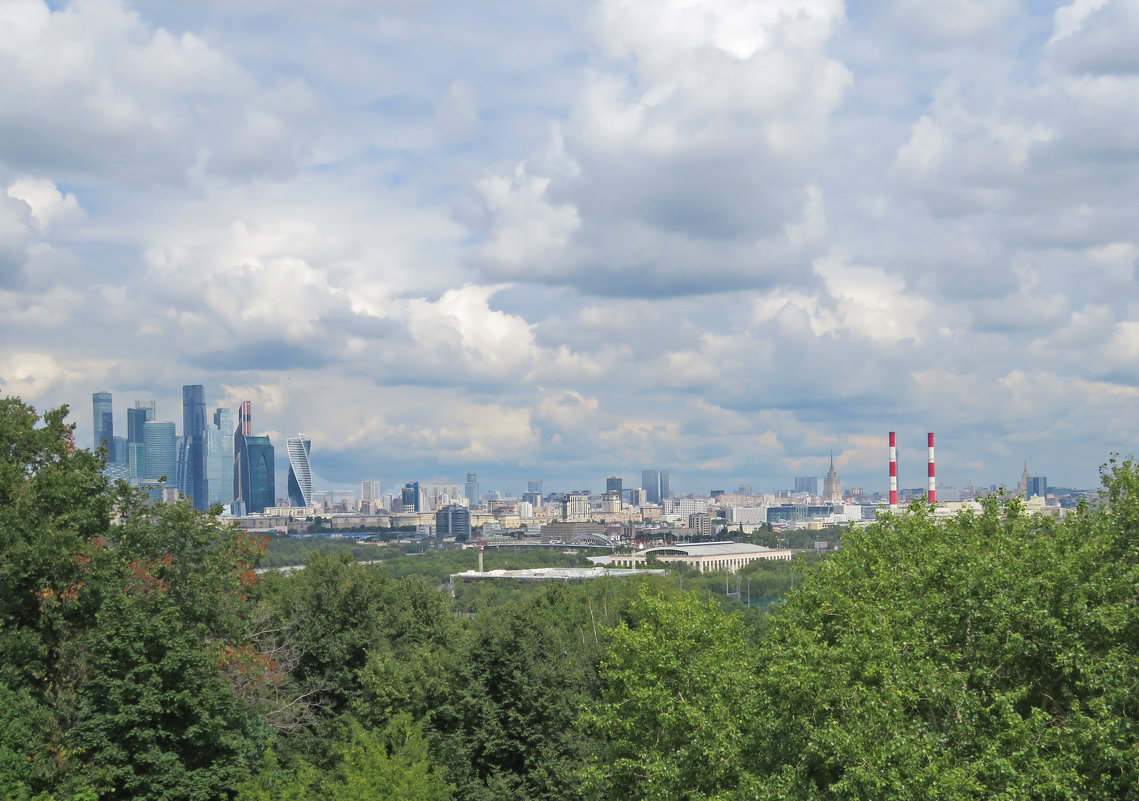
(689, 150)
(92, 86)
(568, 240)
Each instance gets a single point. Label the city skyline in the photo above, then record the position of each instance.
(171, 455)
(562, 240)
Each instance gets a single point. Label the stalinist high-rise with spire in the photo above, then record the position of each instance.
(832, 485)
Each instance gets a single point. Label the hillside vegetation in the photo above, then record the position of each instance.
(991, 656)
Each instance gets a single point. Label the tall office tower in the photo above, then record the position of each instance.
(665, 494)
(245, 417)
(300, 475)
(832, 485)
(161, 448)
(136, 417)
(807, 484)
(471, 489)
(534, 486)
(219, 458)
(104, 420)
(370, 492)
(254, 468)
(118, 451)
(262, 476)
(136, 444)
(613, 484)
(409, 496)
(193, 472)
(1036, 485)
(650, 483)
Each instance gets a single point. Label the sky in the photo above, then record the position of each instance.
(563, 240)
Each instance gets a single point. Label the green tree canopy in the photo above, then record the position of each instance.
(114, 637)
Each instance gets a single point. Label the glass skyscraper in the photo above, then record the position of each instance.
(300, 475)
(655, 485)
(161, 446)
(261, 476)
(254, 468)
(193, 474)
(104, 421)
(219, 458)
(409, 496)
(137, 419)
(650, 483)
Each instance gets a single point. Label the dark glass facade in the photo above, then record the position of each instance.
(193, 471)
(453, 521)
(104, 420)
(260, 474)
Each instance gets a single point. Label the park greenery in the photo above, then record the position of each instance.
(993, 655)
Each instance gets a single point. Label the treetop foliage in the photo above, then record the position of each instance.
(993, 655)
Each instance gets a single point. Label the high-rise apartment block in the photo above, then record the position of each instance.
(575, 506)
(807, 484)
(453, 521)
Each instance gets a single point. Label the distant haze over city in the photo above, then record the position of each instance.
(562, 241)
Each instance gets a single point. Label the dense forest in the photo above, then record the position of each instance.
(142, 657)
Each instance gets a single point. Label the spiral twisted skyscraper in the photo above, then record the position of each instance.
(300, 476)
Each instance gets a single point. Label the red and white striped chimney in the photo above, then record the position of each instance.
(893, 471)
(931, 492)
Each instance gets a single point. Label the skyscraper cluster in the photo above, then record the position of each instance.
(211, 463)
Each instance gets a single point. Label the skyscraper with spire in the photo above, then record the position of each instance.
(832, 485)
(1022, 485)
(254, 469)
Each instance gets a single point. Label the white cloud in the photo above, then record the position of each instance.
(48, 205)
(92, 87)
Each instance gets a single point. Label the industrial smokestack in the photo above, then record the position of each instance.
(893, 472)
(931, 492)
